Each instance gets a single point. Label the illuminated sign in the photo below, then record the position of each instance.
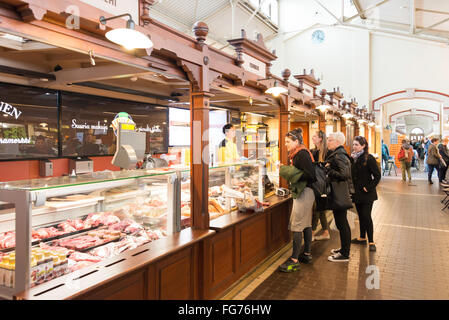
(9, 110)
(150, 130)
(127, 126)
(86, 126)
(15, 141)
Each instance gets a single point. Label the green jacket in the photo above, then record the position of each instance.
(293, 176)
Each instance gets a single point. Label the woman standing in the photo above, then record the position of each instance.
(301, 216)
(365, 177)
(319, 155)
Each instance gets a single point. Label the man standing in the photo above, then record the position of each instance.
(385, 154)
(405, 156)
(427, 143)
(228, 149)
(433, 158)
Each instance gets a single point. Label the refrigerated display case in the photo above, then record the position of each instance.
(68, 223)
(241, 186)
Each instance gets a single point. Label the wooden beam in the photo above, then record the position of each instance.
(115, 71)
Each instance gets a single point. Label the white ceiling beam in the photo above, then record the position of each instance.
(432, 26)
(216, 12)
(359, 9)
(412, 17)
(328, 11)
(254, 14)
(432, 11)
(97, 73)
(367, 10)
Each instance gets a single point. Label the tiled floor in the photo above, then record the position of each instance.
(412, 258)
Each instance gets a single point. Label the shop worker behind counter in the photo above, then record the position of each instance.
(227, 151)
(41, 147)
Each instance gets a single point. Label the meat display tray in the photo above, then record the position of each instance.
(65, 235)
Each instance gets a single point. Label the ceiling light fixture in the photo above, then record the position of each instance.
(276, 90)
(347, 115)
(323, 107)
(127, 37)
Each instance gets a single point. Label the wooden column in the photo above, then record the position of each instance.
(284, 127)
(356, 129)
(199, 158)
(322, 122)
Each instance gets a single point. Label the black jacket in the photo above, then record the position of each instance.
(444, 152)
(302, 161)
(316, 154)
(365, 176)
(340, 167)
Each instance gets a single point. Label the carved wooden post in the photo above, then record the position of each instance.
(145, 6)
(284, 128)
(199, 131)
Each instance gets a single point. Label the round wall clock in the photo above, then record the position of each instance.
(318, 36)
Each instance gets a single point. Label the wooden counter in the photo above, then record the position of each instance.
(242, 240)
(168, 268)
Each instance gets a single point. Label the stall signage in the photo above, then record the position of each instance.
(86, 126)
(9, 110)
(153, 129)
(15, 141)
(117, 7)
(253, 65)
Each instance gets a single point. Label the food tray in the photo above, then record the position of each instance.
(55, 225)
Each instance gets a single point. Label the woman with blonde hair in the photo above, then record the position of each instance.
(319, 155)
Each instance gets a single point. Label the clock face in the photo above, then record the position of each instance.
(318, 36)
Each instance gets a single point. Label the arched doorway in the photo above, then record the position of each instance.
(416, 134)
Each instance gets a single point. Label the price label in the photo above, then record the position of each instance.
(127, 126)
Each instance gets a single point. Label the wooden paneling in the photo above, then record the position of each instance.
(252, 239)
(175, 279)
(279, 218)
(223, 257)
(129, 287)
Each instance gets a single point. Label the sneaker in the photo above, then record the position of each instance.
(304, 258)
(289, 266)
(335, 251)
(338, 258)
(372, 247)
(323, 237)
(357, 241)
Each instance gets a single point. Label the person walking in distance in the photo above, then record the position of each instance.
(385, 155)
(444, 152)
(301, 216)
(339, 170)
(433, 158)
(405, 156)
(365, 177)
(319, 155)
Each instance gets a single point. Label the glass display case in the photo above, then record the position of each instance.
(239, 186)
(68, 223)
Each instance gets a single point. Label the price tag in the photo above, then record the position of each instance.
(127, 126)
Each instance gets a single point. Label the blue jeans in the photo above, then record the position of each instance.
(431, 167)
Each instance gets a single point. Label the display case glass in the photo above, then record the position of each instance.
(68, 223)
(241, 186)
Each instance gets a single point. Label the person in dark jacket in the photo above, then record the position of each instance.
(444, 152)
(301, 215)
(365, 177)
(319, 155)
(433, 158)
(339, 169)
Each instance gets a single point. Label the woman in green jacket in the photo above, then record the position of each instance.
(301, 215)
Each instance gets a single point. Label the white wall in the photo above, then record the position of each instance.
(364, 65)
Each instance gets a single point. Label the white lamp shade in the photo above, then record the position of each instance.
(129, 38)
(276, 91)
(323, 107)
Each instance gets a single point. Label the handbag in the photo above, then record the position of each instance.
(340, 197)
